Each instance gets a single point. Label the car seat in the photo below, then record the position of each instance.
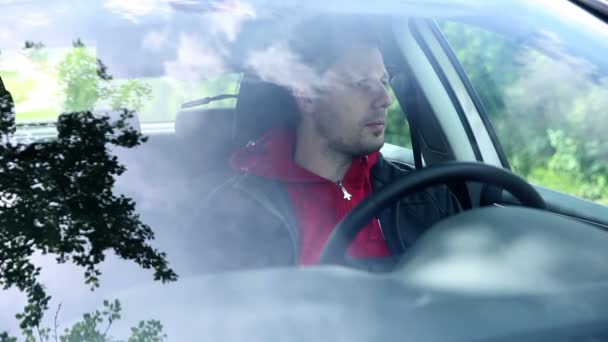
(260, 106)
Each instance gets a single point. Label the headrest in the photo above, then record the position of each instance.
(261, 106)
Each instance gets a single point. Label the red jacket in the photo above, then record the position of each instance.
(319, 204)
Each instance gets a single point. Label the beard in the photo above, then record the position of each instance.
(351, 141)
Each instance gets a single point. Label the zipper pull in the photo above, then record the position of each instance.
(347, 196)
(381, 230)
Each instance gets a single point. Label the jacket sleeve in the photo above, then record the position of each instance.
(233, 233)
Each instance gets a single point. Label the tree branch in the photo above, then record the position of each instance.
(55, 322)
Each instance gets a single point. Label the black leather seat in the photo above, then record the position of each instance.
(260, 106)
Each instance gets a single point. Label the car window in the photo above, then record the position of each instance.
(56, 79)
(397, 128)
(546, 99)
(47, 81)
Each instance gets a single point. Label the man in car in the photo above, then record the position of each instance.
(300, 179)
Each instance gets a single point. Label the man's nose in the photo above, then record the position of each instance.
(383, 98)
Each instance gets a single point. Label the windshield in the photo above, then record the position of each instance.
(143, 142)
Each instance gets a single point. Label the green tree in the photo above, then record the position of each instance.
(85, 81)
(78, 75)
(57, 196)
(94, 327)
(548, 108)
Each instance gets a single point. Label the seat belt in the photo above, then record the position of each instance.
(414, 133)
(415, 138)
(459, 189)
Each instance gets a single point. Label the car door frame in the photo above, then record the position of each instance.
(436, 48)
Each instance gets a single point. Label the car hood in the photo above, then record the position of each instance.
(490, 273)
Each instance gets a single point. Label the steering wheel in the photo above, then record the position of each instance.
(334, 251)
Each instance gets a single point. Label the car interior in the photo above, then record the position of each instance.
(260, 104)
(530, 250)
(219, 132)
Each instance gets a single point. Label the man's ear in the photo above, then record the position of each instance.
(304, 100)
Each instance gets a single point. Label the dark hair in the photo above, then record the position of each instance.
(319, 41)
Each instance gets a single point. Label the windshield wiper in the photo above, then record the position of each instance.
(207, 100)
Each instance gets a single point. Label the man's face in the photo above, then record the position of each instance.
(349, 108)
